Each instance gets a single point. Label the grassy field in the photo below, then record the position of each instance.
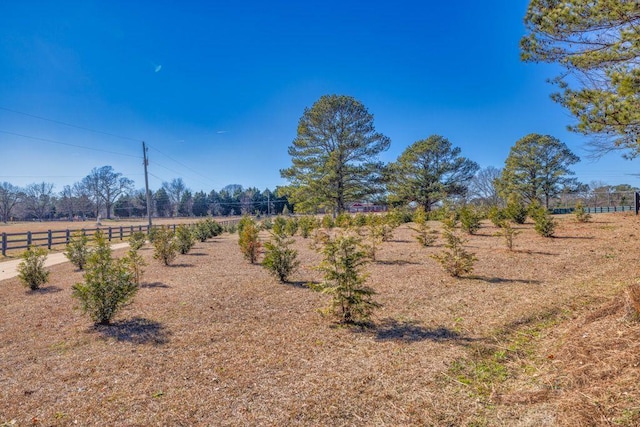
(536, 336)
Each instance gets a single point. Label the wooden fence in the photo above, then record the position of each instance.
(51, 238)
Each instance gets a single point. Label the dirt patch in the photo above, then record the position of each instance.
(213, 340)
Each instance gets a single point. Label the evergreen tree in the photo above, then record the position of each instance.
(334, 156)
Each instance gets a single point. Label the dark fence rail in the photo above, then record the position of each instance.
(51, 238)
(602, 209)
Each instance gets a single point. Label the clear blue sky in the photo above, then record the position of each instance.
(217, 88)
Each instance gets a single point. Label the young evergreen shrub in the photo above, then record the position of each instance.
(581, 213)
(267, 224)
(279, 225)
(135, 264)
(201, 231)
(137, 240)
(279, 258)
(249, 242)
(215, 229)
(285, 210)
(516, 210)
(291, 228)
(184, 239)
(153, 232)
(231, 228)
(244, 221)
(165, 246)
(307, 224)
(343, 220)
(544, 224)
(31, 271)
(108, 284)
(508, 232)
(352, 301)
(327, 221)
(359, 220)
(469, 219)
(77, 250)
(425, 235)
(455, 259)
(397, 216)
(497, 215)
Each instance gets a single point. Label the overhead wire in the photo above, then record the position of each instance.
(99, 132)
(36, 138)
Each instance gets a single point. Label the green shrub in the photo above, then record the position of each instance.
(581, 214)
(165, 247)
(267, 224)
(134, 263)
(31, 271)
(231, 228)
(307, 224)
(77, 250)
(243, 221)
(153, 231)
(352, 301)
(469, 219)
(184, 239)
(249, 242)
(291, 228)
(279, 258)
(215, 229)
(425, 235)
(327, 221)
(497, 215)
(201, 231)
(343, 220)
(108, 284)
(359, 220)
(516, 211)
(279, 225)
(455, 259)
(137, 240)
(544, 224)
(508, 232)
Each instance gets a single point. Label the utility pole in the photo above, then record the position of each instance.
(146, 182)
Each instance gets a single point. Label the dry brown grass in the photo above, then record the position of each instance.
(213, 340)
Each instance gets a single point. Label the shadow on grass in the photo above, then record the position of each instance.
(154, 285)
(137, 331)
(501, 280)
(302, 284)
(45, 290)
(412, 331)
(396, 262)
(181, 265)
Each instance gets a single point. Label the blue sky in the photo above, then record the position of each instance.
(217, 88)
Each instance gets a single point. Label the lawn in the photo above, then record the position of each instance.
(536, 336)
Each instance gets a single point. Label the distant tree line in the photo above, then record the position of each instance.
(106, 193)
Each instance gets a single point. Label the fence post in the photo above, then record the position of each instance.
(174, 228)
(120, 232)
(67, 236)
(28, 238)
(636, 204)
(4, 244)
(109, 233)
(49, 239)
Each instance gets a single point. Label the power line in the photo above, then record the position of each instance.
(69, 124)
(68, 144)
(182, 164)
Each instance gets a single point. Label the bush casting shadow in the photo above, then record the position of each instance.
(45, 290)
(154, 285)
(411, 331)
(196, 254)
(501, 280)
(396, 262)
(179, 265)
(137, 331)
(301, 284)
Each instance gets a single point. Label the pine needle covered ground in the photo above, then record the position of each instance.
(536, 336)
